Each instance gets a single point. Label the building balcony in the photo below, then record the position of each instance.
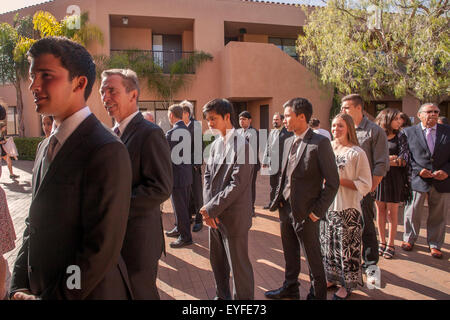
(163, 58)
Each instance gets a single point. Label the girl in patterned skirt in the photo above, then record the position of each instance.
(7, 238)
(341, 230)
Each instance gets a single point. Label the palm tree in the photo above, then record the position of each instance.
(16, 40)
(166, 85)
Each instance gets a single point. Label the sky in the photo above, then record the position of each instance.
(8, 5)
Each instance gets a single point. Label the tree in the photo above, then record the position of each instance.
(166, 85)
(16, 40)
(406, 52)
(13, 64)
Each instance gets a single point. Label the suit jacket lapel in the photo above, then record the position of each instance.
(71, 143)
(305, 141)
(439, 137)
(131, 127)
(421, 138)
(287, 148)
(38, 166)
(230, 154)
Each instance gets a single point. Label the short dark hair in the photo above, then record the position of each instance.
(245, 114)
(355, 98)
(74, 57)
(221, 107)
(444, 120)
(300, 106)
(314, 122)
(176, 110)
(186, 109)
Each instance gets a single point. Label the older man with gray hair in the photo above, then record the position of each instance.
(429, 144)
(152, 179)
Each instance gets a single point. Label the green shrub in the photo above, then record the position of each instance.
(26, 147)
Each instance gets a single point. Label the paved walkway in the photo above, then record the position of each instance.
(186, 273)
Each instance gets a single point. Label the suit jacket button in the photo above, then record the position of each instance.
(432, 159)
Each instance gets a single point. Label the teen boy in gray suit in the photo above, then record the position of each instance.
(227, 209)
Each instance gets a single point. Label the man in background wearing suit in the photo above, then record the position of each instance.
(227, 210)
(196, 193)
(151, 184)
(182, 177)
(429, 144)
(273, 155)
(252, 137)
(81, 196)
(302, 198)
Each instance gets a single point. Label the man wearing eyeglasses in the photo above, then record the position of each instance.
(429, 144)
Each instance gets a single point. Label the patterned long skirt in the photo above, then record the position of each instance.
(340, 239)
(7, 234)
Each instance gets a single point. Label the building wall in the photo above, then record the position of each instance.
(255, 72)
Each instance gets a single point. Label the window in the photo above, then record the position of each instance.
(12, 121)
(285, 44)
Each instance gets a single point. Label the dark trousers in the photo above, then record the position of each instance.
(273, 185)
(180, 202)
(369, 234)
(196, 195)
(293, 236)
(231, 254)
(254, 176)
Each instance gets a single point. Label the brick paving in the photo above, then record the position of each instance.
(185, 274)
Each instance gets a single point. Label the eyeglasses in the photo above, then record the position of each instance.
(431, 111)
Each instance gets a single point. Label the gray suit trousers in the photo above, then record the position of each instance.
(438, 207)
(231, 254)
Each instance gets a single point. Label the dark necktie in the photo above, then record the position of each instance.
(117, 131)
(49, 154)
(290, 168)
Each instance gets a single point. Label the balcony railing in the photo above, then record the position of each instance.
(164, 58)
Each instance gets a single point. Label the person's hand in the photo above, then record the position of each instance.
(211, 222)
(313, 217)
(265, 165)
(393, 157)
(440, 175)
(425, 173)
(23, 295)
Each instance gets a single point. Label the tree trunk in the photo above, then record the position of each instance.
(19, 106)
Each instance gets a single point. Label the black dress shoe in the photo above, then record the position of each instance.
(266, 207)
(311, 296)
(173, 233)
(283, 293)
(197, 227)
(179, 243)
(336, 297)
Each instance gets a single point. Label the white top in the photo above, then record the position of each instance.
(353, 165)
(68, 126)
(323, 132)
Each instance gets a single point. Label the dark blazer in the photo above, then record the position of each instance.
(227, 191)
(315, 163)
(78, 216)
(195, 128)
(182, 173)
(249, 136)
(422, 158)
(151, 185)
(275, 138)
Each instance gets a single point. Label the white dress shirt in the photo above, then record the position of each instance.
(122, 125)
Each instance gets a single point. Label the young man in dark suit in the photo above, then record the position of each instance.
(252, 137)
(227, 210)
(81, 195)
(429, 144)
(308, 183)
(196, 193)
(182, 176)
(151, 179)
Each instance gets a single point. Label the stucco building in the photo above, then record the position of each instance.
(252, 44)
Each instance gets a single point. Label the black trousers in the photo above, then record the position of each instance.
(273, 185)
(196, 194)
(180, 202)
(369, 234)
(254, 176)
(293, 236)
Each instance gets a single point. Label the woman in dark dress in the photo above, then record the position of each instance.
(395, 186)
